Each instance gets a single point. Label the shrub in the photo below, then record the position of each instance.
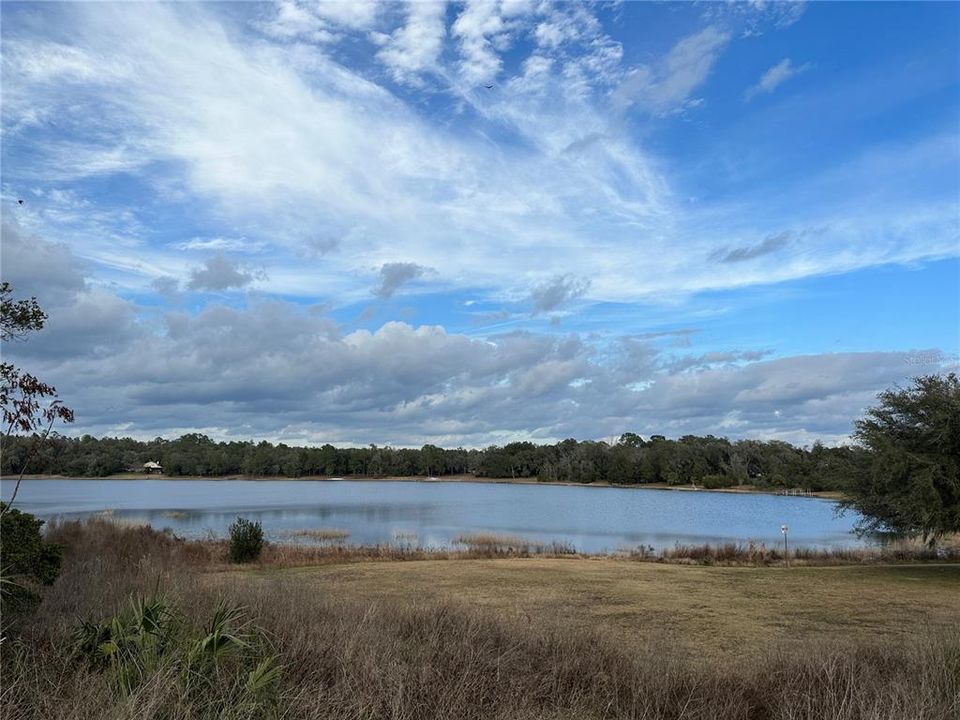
(246, 540)
(223, 669)
(23, 551)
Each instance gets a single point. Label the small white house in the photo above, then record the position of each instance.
(152, 467)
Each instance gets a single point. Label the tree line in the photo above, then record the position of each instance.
(707, 461)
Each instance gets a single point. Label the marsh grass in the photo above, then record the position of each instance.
(411, 660)
(759, 554)
(101, 537)
(494, 540)
(320, 534)
(496, 544)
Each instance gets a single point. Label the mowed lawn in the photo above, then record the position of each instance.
(710, 611)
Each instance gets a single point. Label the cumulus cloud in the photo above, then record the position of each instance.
(83, 319)
(294, 20)
(769, 244)
(219, 272)
(273, 370)
(318, 22)
(416, 45)
(481, 31)
(394, 275)
(557, 291)
(36, 267)
(276, 369)
(774, 78)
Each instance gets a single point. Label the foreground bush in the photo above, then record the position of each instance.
(23, 551)
(246, 540)
(27, 561)
(222, 667)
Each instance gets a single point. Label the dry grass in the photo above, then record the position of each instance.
(417, 662)
(510, 638)
(495, 544)
(715, 612)
(320, 534)
(492, 540)
(751, 553)
(289, 556)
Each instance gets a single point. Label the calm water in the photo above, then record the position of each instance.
(433, 514)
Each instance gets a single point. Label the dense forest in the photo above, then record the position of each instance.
(707, 461)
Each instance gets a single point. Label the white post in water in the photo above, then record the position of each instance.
(786, 554)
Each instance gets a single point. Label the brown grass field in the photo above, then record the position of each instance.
(708, 611)
(371, 634)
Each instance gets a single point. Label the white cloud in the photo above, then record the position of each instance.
(416, 46)
(355, 14)
(774, 78)
(538, 170)
(293, 20)
(666, 87)
(756, 17)
(274, 369)
(318, 22)
(530, 196)
(222, 244)
(480, 30)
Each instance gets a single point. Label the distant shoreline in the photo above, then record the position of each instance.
(739, 490)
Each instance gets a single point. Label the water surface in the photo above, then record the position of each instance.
(433, 514)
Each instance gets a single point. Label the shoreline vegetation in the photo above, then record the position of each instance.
(495, 636)
(742, 489)
(326, 545)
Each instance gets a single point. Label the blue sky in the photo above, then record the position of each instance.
(315, 222)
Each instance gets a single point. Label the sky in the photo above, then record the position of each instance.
(474, 223)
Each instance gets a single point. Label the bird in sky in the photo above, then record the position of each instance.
(20, 202)
(489, 87)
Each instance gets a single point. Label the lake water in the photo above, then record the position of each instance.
(432, 514)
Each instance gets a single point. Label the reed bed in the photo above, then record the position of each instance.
(495, 544)
(320, 534)
(418, 661)
(493, 540)
(759, 554)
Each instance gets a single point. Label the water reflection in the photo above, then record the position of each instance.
(434, 514)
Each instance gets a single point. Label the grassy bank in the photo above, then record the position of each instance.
(513, 637)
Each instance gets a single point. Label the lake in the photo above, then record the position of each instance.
(432, 514)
